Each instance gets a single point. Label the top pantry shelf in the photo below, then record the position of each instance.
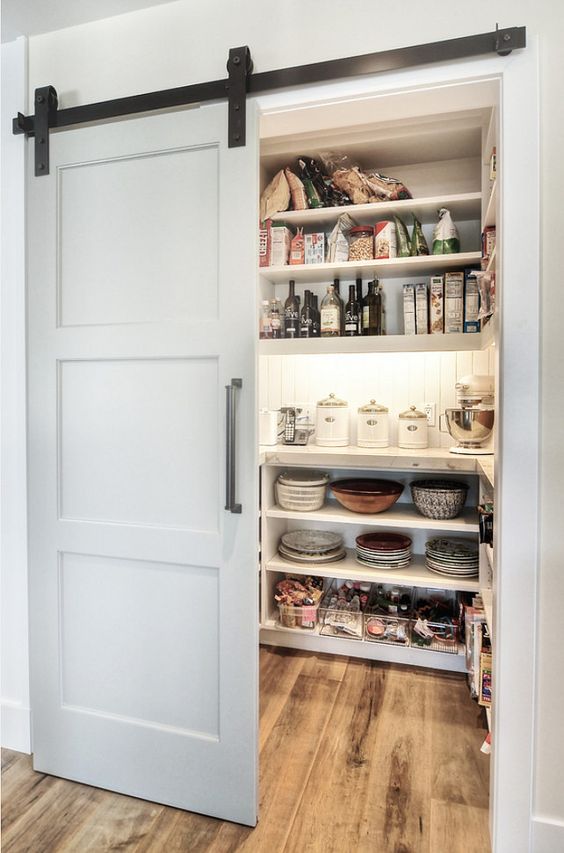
(461, 205)
(388, 268)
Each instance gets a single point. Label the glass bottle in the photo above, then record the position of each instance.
(382, 323)
(265, 329)
(306, 317)
(292, 314)
(331, 314)
(370, 311)
(352, 315)
(316, 324)
(359, 291)
(337, 286)
(275, 319)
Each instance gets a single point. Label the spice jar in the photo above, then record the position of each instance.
(361, 243)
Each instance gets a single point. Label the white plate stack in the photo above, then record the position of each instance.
(383, 550)
(452, 556)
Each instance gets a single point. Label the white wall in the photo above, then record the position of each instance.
(186, 42)
(13, 544)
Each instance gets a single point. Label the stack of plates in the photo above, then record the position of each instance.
(452, 556)
(383, 550)
(312, 547)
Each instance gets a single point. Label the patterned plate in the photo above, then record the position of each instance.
(312, 541)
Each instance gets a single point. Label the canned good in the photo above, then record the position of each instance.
(361, 243)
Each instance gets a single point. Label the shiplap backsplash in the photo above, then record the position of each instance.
(396, 380)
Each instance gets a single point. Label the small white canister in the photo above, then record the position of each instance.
(373, 426)
(332, 422)
(412, 429)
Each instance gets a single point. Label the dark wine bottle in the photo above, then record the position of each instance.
(370, 312)
(306, 317)
(292, 314)
(352, 315)
(359, 293)
(337, 286)
(316, 316)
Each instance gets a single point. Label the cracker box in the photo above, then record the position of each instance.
(422, 309)
(314, 248)
(264, 243)
(409, 309)
(471, 302)
(280, 239)
(437, 305)
(454, 302)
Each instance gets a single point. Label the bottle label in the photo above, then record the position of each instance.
(330, 319)
(351, 326)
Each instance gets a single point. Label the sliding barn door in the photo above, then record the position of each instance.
(143, 586)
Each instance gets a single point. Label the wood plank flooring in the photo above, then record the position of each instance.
(355, 756)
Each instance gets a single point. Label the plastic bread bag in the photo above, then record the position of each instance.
(313, 196)
(355, 184)
(486, 287)
(276, 196)
(418, 242)
(337, 161)
(338, 249)
(297, 191)
(402, 238)
(445, 235)
(385, 188)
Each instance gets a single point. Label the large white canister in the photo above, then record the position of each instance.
(412, 429)
(373, 429)
(332, 422)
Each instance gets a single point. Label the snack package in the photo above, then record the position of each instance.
(402, 238)
(297, 248)
(385, 188)
(313, 181)
(445, 236)
(337, 161)
(486, 287)
(338, 247)
(418, 242)
(354, 183)
(297, 191)
(276, 196)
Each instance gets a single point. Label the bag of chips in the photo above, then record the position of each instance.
(402, 239)
(297, 191)
(387, 189)
(418, 242)
(276, 196)
(445, 236)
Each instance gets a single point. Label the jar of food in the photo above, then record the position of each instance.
(412, 429)
(373, 427)
(361, 243)
(332, 422)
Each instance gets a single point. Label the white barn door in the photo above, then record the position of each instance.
(141, 309)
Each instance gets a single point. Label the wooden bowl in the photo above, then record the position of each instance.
(367, 495)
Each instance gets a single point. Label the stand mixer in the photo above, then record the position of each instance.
(471, 423)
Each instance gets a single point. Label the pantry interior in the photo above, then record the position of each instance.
(438, 141)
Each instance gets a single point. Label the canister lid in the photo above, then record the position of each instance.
(371, 407)
(303, 478)
(412, 413)
(331, 400)
(362, 229)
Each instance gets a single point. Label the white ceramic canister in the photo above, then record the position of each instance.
(332, 422)
(412, 429)
(373, 429)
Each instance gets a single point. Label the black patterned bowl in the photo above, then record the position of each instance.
(439, 498)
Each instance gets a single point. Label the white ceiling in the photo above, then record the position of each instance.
(31, 17)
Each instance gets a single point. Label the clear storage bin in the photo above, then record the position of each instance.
(387, 618)
(341, 620)
(298, 617)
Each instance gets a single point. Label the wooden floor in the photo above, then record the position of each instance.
(355, 756)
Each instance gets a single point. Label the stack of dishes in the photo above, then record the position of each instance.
(383, 550)
(311, 547)
(453, 556)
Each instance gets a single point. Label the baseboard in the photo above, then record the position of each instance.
(15, 726)
(548, 835)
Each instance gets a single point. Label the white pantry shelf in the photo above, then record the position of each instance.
(416, 574)
(400, 515)
(489, 216)
(487, 598)
(377, 343)
(463, 206)
(274, 635)
(424, 265)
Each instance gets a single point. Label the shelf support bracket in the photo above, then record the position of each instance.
(239, 66)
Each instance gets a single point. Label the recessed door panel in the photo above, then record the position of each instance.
(138, 238)
(139, 441)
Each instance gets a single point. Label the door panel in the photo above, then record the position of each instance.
(143, 589)
(156, 217)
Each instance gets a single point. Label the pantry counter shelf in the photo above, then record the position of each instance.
(416, 574)
(463, 206)
(387, 268)
(377, 343)
(402, 515)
